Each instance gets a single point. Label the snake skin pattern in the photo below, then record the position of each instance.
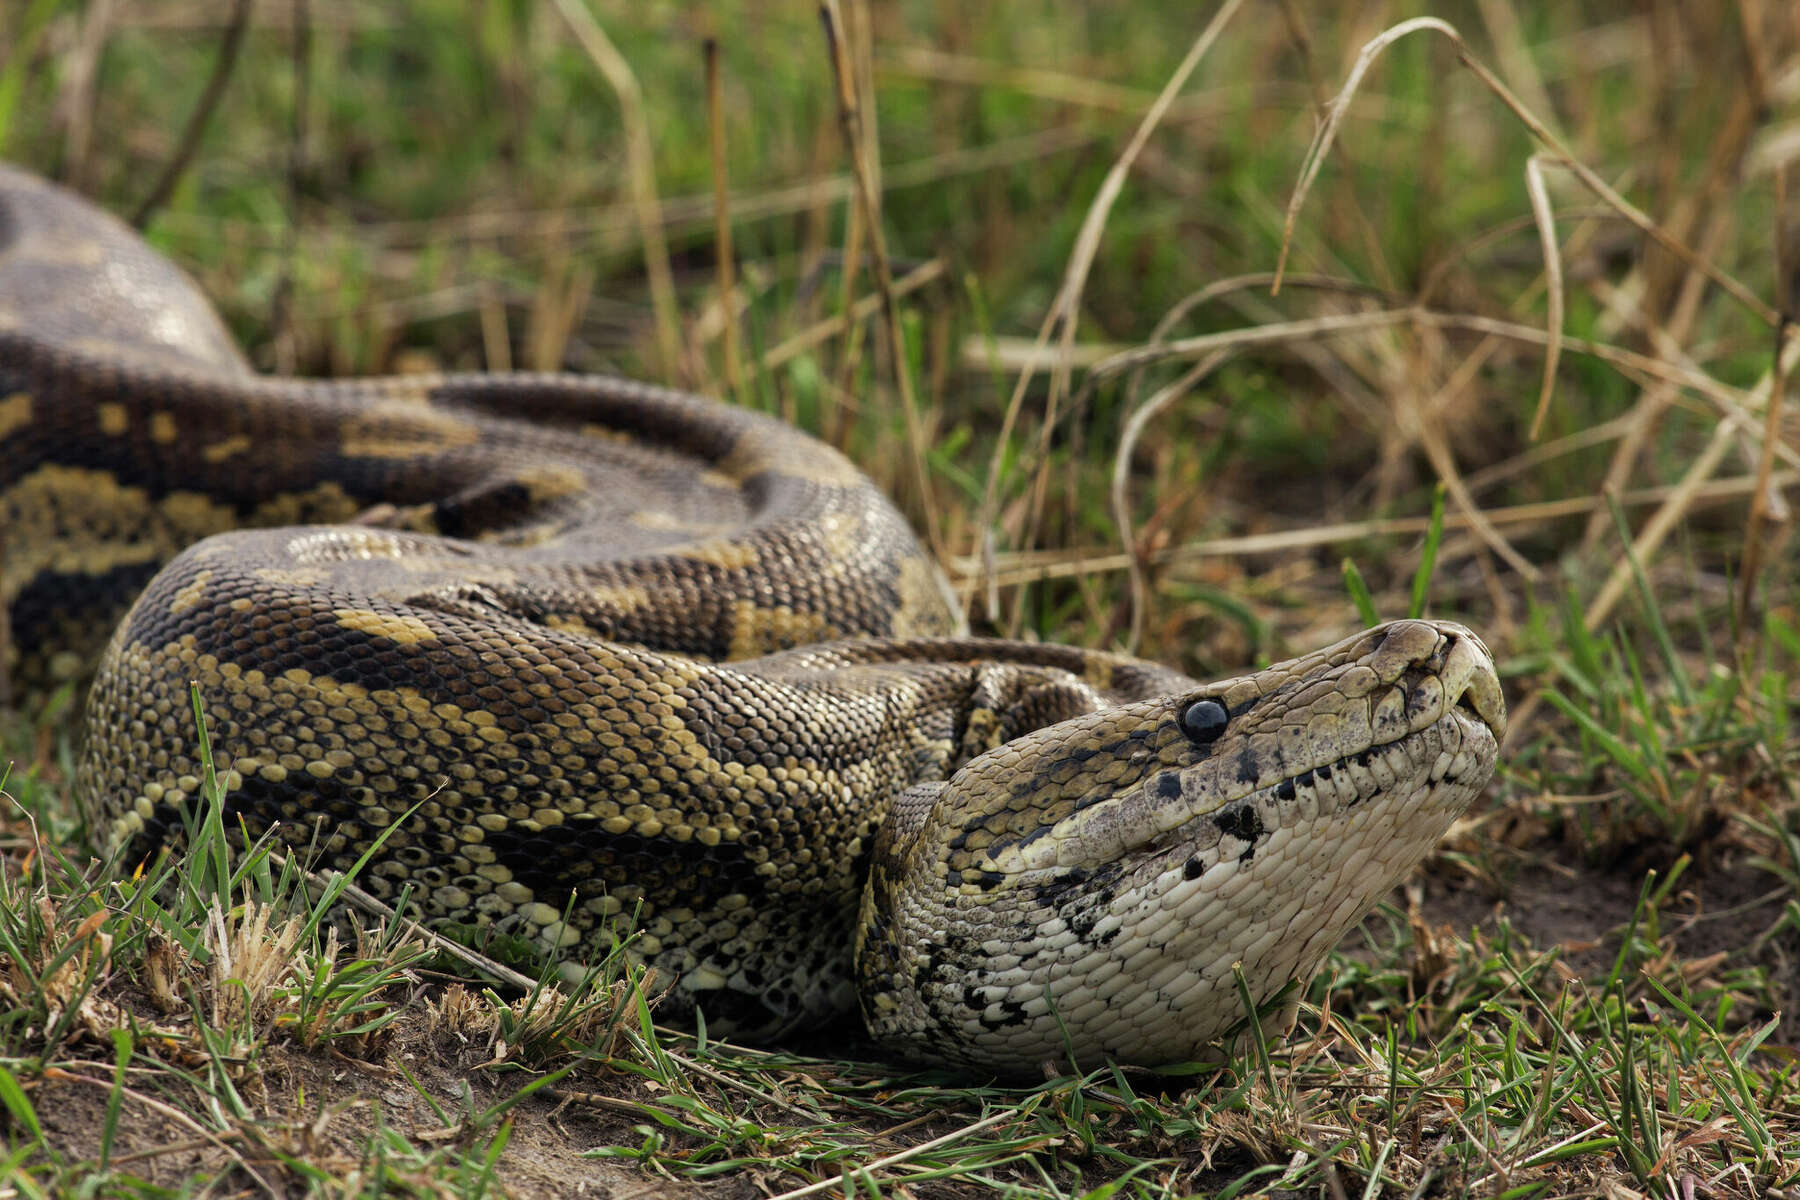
(604, 660)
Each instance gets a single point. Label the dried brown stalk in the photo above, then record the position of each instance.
(640, 163)
(189, 141)
(715, 120)
(850, 117)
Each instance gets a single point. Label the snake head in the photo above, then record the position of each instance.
(1085, 891)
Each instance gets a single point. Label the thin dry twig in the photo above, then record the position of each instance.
(641, 168)
(197, 120)
(1257, 335)
(850, 116)
(715, 119)
(1430, 436)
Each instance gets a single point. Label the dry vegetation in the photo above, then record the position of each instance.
(1165, 327)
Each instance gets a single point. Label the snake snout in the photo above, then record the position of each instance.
(1470, 681)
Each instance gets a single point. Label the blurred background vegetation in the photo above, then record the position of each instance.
(446, 184)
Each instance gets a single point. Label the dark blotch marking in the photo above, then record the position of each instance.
(1012, 1012)
(1057, 890)
(1243, 822)
(1168, 786)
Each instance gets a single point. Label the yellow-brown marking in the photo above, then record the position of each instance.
(15, 412)
(395, 627)
(189, 597)
(398, 429)
(221, 450)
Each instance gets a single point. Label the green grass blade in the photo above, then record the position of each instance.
(1359, 594)
(1434, 536)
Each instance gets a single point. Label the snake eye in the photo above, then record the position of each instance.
(1203, 721)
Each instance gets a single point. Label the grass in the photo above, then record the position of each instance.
(1590, 990)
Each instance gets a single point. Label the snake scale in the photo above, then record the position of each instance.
(620, 660)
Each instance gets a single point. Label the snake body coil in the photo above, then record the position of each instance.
(627, 660)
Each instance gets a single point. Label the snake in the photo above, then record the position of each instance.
(587, 667)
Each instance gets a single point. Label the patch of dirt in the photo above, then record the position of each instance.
(323, 1109)
(1554, 897)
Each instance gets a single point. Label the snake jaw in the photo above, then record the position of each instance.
(1112, 929)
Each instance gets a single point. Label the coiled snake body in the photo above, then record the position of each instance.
(634, 661)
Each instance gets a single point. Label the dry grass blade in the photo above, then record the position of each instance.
(1012, 570)
(1128, 439)
(317, 883)
(1537, 456)
(1512, 50)
(281, 305)
(715, 119)
(1734, 405)
(1627, 303)
(1258, 335)
(1315, 157)
(1664, 520)
(1553, 285)
(641, 164)
(1761, 498)
(496, 342)
(1063, 310)
(850, 116)
(1430, 436)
